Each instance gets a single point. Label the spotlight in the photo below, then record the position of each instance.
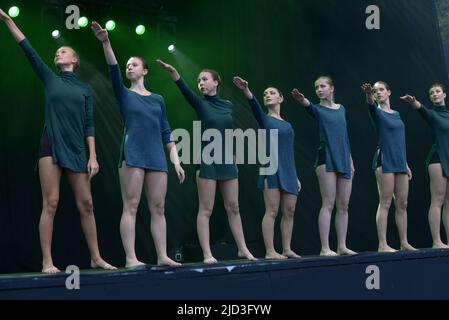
(83, 21)
(13, 12)
(140, 29)
(171, 48)
(110, 25)
(55, 34)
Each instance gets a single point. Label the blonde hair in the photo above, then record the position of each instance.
(76, 65)
(329, 82)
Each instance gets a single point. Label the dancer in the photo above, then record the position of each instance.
(68, 124)
(334, 166)
(142, 160)
(282, 187)
(214, 113)
(389, 164)
(437, 116)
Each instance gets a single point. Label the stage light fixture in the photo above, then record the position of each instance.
(83, 22)
(55, 34)
(140, 29)
(110, 25)
(13, 11)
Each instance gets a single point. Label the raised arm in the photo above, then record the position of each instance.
(255, 105)
(368, 90)
(194, 100)
(39, 66)
(102, 35)
(412, 101)
(116, 76)
(300, 98)
(15, 31)
(243, 85)
(366, 87)
(170, 69)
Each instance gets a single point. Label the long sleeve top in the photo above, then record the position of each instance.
(69, 116)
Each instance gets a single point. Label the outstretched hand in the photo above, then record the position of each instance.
(298, 96)
(3, 15)
(170, 69)
(366, 87)
(411, 100)
(240, 83)
(100, 33)
(408, 98)
(166, 66)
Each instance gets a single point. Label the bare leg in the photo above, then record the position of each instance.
(288, 204)
(385, 185)
(344, 188)
(131, 182)
(50, 177)
(206, 195)
(446, 212)
(328, 185)
(156, 189)
(400, 201)
(230, 192)
(438, 185)
(272, 199)
(80, 184)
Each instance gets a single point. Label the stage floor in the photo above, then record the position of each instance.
(423, 274)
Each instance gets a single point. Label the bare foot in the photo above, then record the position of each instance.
(440, 245)
(407, 247)
(247, 255)
(134, 263)
(290, 254)
(210, 260)
(275, 256)
(346, 252)
(166, 261)
(101, 264)
(328, 253)
(50, 269)
(386, 248)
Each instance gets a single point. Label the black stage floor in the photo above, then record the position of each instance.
(403, 275)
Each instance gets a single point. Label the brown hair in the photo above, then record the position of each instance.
(329, 81)
(76, 66)
(438, 85)
(384, 83)
(279, 91)
(214, 74)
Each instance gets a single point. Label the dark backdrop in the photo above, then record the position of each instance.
(287, 43)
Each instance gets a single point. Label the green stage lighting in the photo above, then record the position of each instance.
(13, 11)
(110, 25)
(83, 21)
(55, 34)
(140, 30)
